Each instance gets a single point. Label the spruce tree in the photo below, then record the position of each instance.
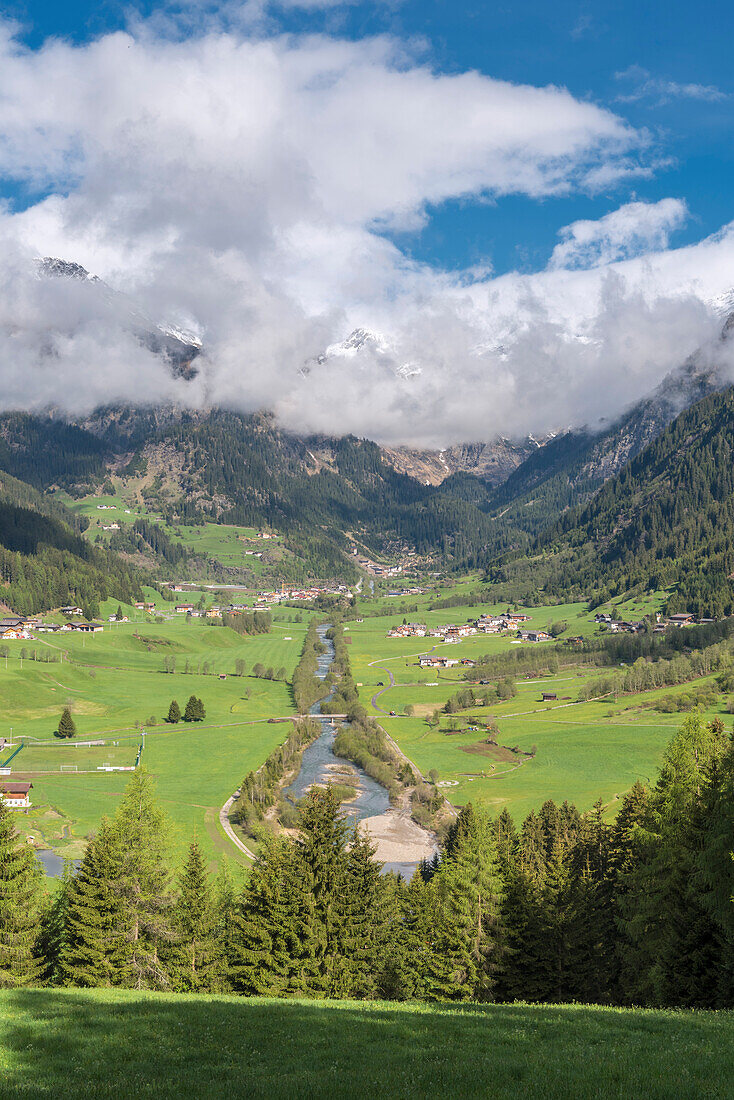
(368, 919)
(200, 711)
(174, 713)
(92, 951)
(470, 895)
(668, 929)
(266, 944)
(143, 884)
(54, 926)
(20, 906)
(193, 955)
(224, 909)
(67, 726)
(715, 875)
(322, 864)
(194, 710)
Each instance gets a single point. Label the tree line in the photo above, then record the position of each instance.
(567, 907)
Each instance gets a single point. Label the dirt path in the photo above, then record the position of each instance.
(377, 694)
(224, 822)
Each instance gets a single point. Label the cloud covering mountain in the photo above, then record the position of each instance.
(252, 188)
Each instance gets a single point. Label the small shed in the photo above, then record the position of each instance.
(548, 696)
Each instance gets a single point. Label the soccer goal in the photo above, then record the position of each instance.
(68, 767)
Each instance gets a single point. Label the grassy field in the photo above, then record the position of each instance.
(105, 1043)
(224, 543)
(583, 751)
(116, 685)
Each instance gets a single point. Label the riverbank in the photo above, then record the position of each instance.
(399, 839)
(401, 842)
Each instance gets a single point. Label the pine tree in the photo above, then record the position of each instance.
(224, 909)
(265, 940)
(54, 926)
(194, 711)
(92, 951)
(667, 927)
(142, 884)
(715, 875)
(470, 893)
(20, 906)
(174, 713)
(193, 956)
(322, 863)
(67, 726)
(369, 918)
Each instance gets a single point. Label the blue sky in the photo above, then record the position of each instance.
(667, 70)
(526, 205)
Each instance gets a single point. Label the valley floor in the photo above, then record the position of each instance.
(111, 1043)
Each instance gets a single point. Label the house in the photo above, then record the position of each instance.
(184, 608)
(534, 636)
(12, 628)
(467, 662)
(437, 662)
(15, 795)
(71, 610)
(682, 619)
(214, 613)
(50, 628)
(87, 628)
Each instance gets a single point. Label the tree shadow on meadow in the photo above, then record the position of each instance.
(68, 1044)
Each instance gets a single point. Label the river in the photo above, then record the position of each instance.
(319, 766)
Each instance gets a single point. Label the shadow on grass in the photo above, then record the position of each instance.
(104, 1043)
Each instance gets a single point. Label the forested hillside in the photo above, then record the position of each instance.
(666, 519)
(45, 562)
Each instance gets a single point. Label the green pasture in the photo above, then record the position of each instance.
(117, 1044)
(224, 543)
(115, 684)
(584, 751)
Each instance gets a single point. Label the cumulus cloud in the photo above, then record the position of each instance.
(246, 183)
(634, 228)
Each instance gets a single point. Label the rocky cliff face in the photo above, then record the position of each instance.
(493, 462)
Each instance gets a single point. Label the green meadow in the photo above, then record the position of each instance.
(581, 751)
(112, 1043)
(116, 686)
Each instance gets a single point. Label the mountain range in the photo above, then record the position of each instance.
(557, 515)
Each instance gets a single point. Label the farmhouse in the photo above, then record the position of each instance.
(87, 628)
(12, 628)
(144, 605)
(534, 636)
(71, 610)
(437, 662)
(15, 795)
(184, 608)
(682, 619)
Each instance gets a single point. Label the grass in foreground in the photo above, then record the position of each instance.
(105, 1043)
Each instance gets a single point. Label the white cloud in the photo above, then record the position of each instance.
(629, 231)
(647, 86)
(244, 181)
